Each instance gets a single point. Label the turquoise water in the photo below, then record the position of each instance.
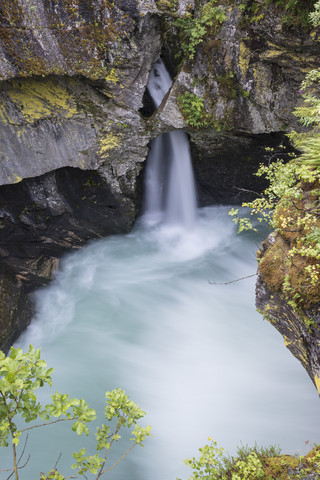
(138, 311)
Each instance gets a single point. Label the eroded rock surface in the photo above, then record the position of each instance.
(300, 329)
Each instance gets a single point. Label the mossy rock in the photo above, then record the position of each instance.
(272, 265)
(279, 467)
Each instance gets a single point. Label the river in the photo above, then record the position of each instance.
(138, 311)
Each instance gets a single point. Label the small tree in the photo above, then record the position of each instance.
(21, 374)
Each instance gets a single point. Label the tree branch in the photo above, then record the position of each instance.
(233, 281)
(118, 461)
(50, 423)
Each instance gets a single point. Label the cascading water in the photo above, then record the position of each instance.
(137, 311)
(159, 82)
(170, 191)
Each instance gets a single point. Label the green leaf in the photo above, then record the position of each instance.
(80, 428)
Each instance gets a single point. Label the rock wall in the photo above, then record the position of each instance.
(300, 329)
(75, 121)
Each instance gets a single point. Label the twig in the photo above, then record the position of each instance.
(232, 281)
(49, 423)
(118, 461)
(12, 470)
(23, 450)
(55, 466)
(246, 190)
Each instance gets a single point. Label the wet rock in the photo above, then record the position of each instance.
(15, 307)
(299, 327)
(41, 219)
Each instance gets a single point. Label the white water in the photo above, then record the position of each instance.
(170, 191)
(137, 311)
(159, 82)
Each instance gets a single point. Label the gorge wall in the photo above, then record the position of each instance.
(75, 121)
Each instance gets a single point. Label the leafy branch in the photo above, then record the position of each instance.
(21, 374)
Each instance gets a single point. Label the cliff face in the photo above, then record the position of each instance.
(300, 329)
(75, 124)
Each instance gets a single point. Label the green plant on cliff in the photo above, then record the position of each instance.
(195, 27)
(309, 116)
(193, 110)
(296, 12)
(291, 206)
(314, 16)
(252, 464)
(21, 374)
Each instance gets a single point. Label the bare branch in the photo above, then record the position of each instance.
(248, 191)
(23, 450)
(19, 468)
(58, 460)
(118, 461)
(233, 281)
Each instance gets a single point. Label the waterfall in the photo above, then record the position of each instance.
(170, 190)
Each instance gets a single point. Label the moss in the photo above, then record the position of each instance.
(277, 467)
(109, 142)
(225, 123)
(275, 51)
(112, 76)
(37, 99)
(227, 85)
(291, 264)
(84, 32)
(244, 59)
(295, 13)
(317, 382)
(167, 5)
(211, 45)
(272, 265)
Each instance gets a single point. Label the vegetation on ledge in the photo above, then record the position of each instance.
(291, 207)
(253, 464)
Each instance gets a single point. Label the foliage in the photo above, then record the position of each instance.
(252, 463)
(193, 110)
(290, 206)
(291, 203)
(194, 28)
(170, 5)
(309, 116)
(250, 468)
(315, 15)
(282, 179)
(252, 12)
(297, 11)
(21, 374)
(210, 462)
(310, 465)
